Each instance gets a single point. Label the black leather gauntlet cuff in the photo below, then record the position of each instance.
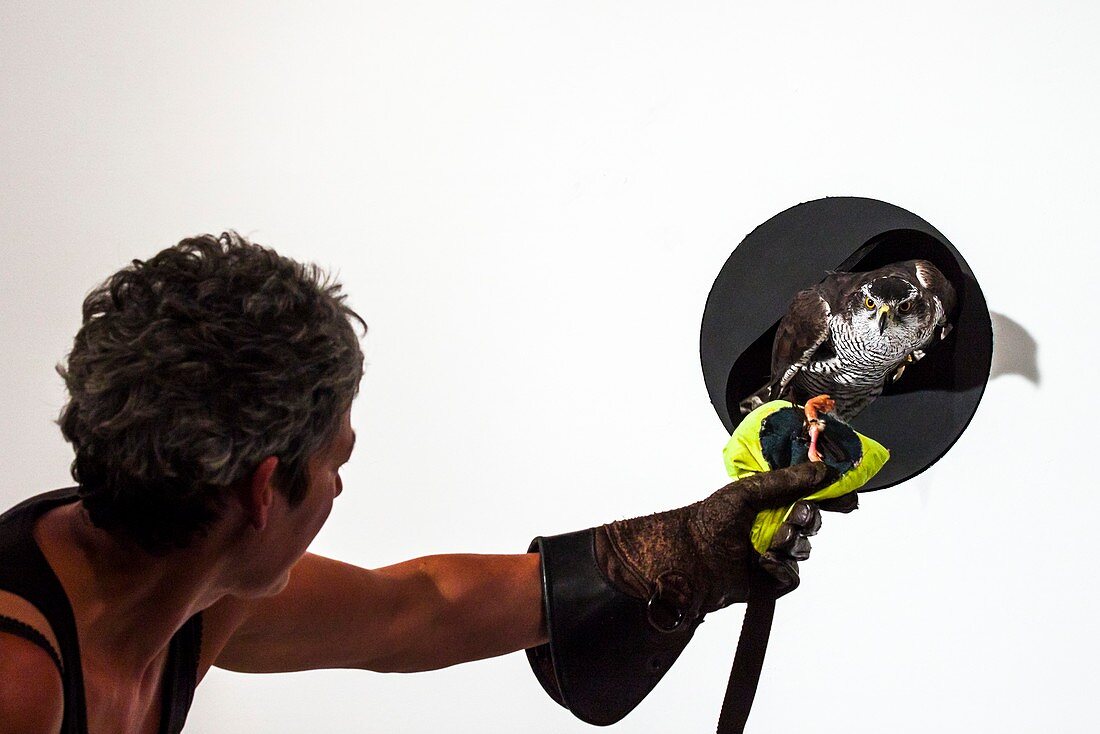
(604, 654)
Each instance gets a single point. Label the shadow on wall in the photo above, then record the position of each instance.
(1015, 351)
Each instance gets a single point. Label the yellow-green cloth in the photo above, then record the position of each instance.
(743, 456)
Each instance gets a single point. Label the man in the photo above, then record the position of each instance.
(210, 393)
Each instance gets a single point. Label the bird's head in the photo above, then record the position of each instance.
(888, 302)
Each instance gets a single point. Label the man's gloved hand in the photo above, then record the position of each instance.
(696, 559)
(790, 545)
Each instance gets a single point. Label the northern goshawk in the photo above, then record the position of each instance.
(851, 333)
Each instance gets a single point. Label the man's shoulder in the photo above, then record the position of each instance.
(38, 504)
(32, 699)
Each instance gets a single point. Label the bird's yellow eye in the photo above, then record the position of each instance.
(904, 308)
(869, 304)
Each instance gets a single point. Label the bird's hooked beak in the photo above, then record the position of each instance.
(883, 315)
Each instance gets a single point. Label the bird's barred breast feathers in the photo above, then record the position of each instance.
(856, 371)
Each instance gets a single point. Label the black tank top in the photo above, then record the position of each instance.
(25, 572)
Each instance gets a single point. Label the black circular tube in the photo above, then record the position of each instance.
(921, 415)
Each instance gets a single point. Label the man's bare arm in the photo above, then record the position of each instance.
(422, 614)
(31, 697)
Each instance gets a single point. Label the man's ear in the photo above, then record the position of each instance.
(260, 493)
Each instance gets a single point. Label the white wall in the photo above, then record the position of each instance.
(528, 202)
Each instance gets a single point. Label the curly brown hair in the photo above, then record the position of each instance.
(192, 367)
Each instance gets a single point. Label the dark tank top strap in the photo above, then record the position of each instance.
(25, 572)
(180, 675)
(24, 630)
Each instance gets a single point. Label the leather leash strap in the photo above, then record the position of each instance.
(749, 659)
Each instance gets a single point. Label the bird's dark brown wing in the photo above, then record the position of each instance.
(801, 331)
(837, 286)
(935, 283)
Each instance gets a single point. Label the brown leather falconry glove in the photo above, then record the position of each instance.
(693, 560)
